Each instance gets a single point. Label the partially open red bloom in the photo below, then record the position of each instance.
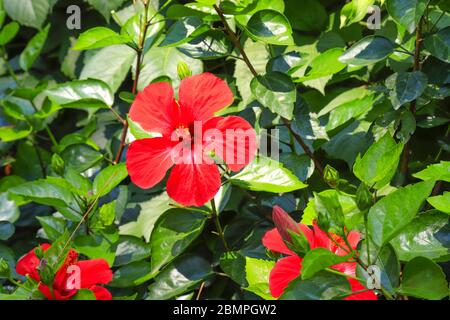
(197, 179)
(288, 268)
(92, 273)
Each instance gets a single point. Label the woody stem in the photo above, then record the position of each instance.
(233, 37)
(139, 61)
(416, 67)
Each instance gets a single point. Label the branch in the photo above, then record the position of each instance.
(413, 108)
(139, 61)
(233, 37)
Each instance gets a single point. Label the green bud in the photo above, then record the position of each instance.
(107, 213)
(183, 70)
(331, 176)
(39, 252)
(363, 197)
(46, 273)
(299, 243)
(58, 164)
(5, 271)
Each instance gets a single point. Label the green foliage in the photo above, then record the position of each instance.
(358, 116)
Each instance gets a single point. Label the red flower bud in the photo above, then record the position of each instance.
(284, 223)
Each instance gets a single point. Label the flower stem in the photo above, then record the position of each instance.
(218, 226)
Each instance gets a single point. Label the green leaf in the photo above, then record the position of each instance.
(33, 49)
(319, 259)
(8, 208)
(276, 5)
(325, 64)
(233, 263)
(323, 286)
(237, 6)
(442, 203)
(81, 157)
(8, 32)
(310, 16)
(110, 65)
(84, 294)
(12, 133)
(407, 12)
(106, 214)
(44, 192)
(270, 27)
(301, 165)
(213, 44)
(265, 174)
(105, 6)
(82, 94)
(379, 163)
(387, 262)
(427, 236)
(132, 27)
(329, 211)
(99, 37)
(258, 54)
(354, 11)
(183, 31)
(422, 278)
(355, 109)
(352, 215)
(109, 178)
(388, 217)
(98, 246)
(276, 91)
(131, 249)
(174, 231)
(6, 230)
(160, 62)
(131, 275)
(439, 44)
(405, 87)
(28, 13)
(53, 227)
(257, 275)
(180, 276)
(438, 171)
(149, 212)
(368, 50)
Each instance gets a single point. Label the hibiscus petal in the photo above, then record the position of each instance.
(148, 161)
(321, 239)
(204, 94)
(356, 286)
(353, 239)
(272, 240)
(155, 109)
(237, 142)
(94, 272)
(193, 184)
(28, 263)
(285, 270)
(101, 293)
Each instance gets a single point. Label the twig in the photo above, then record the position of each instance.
(305, 148)
(218, 226)
(200, 290)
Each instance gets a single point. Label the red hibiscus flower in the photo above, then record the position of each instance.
(288, 268)
(189, 122)
(92, 273)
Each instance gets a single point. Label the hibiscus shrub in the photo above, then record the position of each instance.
(229, 149)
